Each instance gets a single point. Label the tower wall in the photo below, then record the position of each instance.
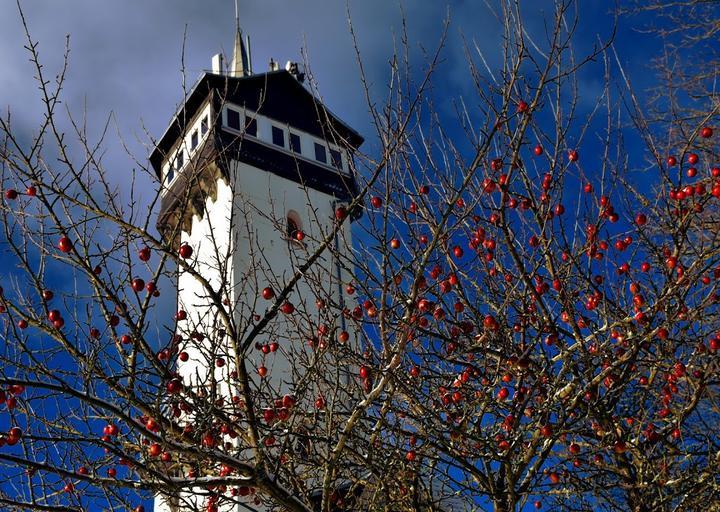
(241, 243)
(266, 256)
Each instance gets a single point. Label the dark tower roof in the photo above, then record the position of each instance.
(275, 94)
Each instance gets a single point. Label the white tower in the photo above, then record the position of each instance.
(247, 163)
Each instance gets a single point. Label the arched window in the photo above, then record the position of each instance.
(293, 227)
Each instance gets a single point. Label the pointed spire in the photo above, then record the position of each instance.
(240, 65)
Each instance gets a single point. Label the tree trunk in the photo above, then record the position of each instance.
(504, 504)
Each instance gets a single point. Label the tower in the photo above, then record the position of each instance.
(253, 169)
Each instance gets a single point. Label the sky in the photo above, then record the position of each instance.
(126, 56)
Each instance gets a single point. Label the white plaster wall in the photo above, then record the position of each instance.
(265, 257)
(256, 255)
(210, 240)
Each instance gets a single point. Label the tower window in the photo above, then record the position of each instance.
(293, 227)
(336, 158)
(251, 126)
(169, 174)
(233, 119)
(193, 140)
(278, 136)
(295, 143)
(204, 125)
(320, 153)
(179, 160)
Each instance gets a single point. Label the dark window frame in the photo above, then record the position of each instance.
(233, 119)
(194, 140)
(320, 153)
(204, 125)
(278, 136)
(251, 126)
(336, 158)
(295, 147)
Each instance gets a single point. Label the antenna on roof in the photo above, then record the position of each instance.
(240, 65)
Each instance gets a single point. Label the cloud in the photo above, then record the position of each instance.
(126, 56)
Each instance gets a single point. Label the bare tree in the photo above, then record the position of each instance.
(504, 323)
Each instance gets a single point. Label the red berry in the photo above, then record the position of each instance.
(573, 155)
(671, 161)
(706, 132)
(185, 251)
(268, 293)
(31, 191)
(693, 158)
(538, 150)
(640, 219)
(138, 284)
(364, 372)
(11, 194)
(174, 386)
(65, 245)
(376, 202)
(341, 213)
